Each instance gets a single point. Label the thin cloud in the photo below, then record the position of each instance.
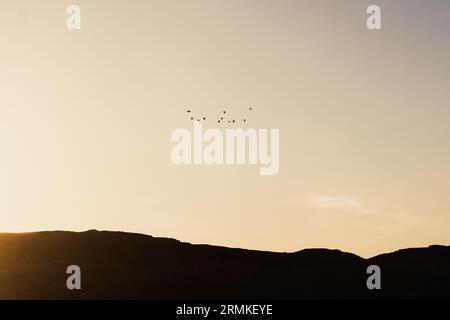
(339, 202)
(335, 202)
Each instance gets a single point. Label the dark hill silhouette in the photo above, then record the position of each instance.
(118, 265)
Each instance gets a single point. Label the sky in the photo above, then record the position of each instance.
(363, 116)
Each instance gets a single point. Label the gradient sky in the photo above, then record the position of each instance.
(86, 118)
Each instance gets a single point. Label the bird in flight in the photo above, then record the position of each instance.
(191, 116)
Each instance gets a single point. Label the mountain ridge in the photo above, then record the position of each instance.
(123, 265)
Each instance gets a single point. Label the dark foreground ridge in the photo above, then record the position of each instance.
(118, 265)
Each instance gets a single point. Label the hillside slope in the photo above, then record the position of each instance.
(118, 265)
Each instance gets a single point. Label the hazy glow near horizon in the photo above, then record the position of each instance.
(86, 118)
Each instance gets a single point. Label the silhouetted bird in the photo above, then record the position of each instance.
(189, 111)
(221, 118)
(204, 118)
(218, 121)
(192, 118)
(233, 121)
(224, 111)
(244, 120)
(251, 108)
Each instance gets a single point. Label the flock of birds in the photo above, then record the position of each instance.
(220, 120)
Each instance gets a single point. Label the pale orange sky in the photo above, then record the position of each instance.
(86, 118)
